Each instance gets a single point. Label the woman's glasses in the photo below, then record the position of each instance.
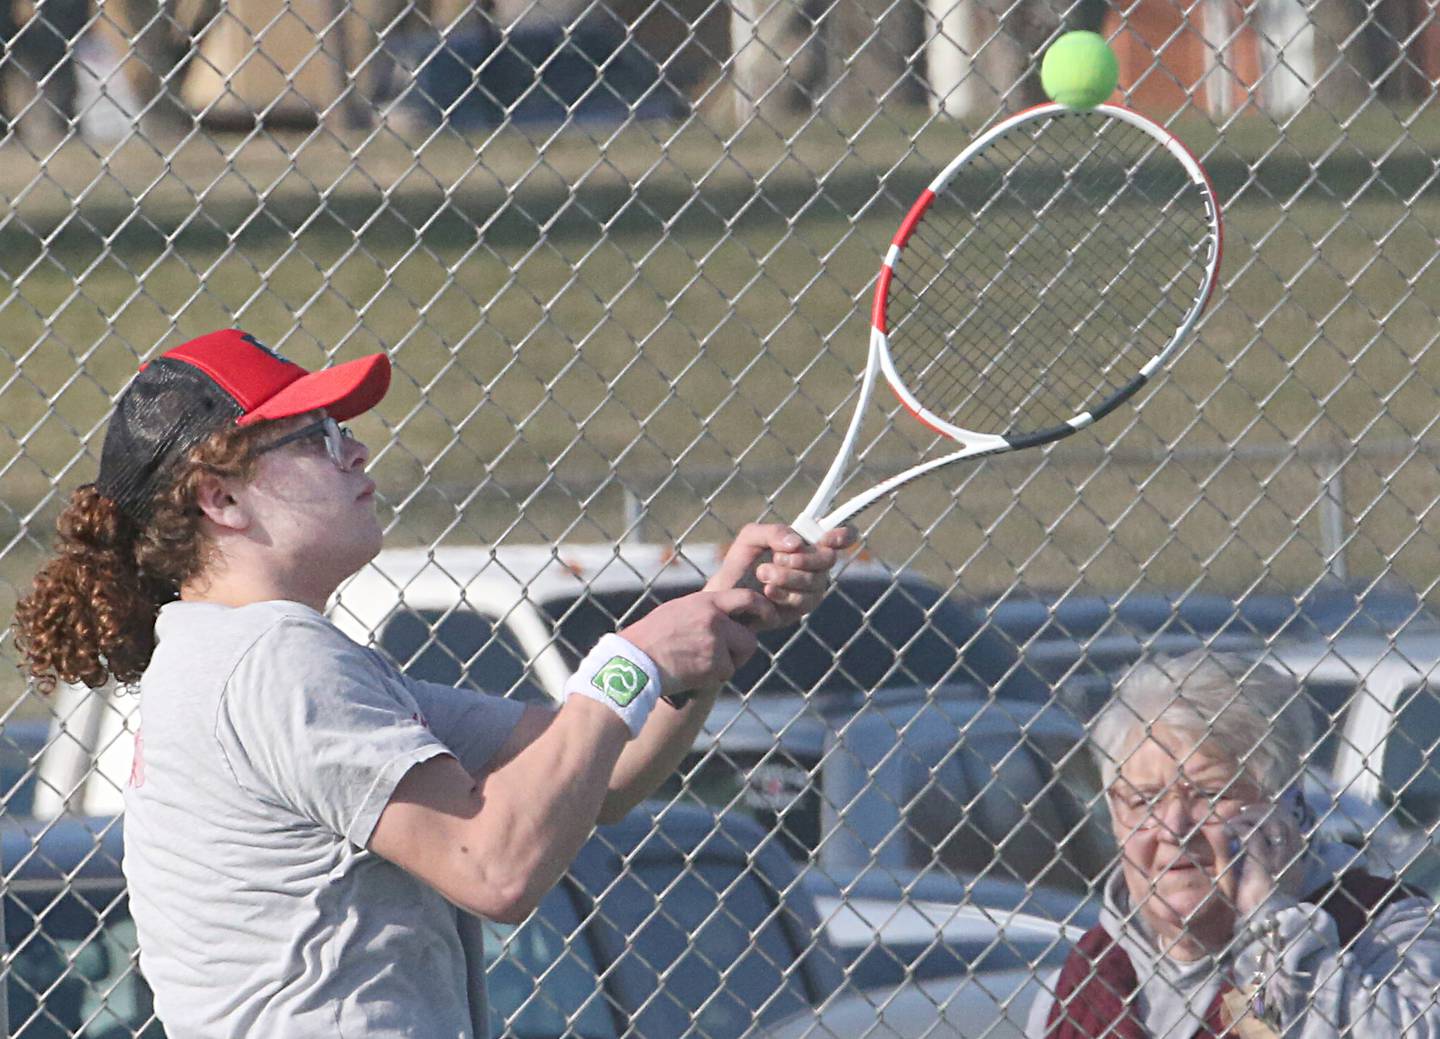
(1137, 809)
(335, 437)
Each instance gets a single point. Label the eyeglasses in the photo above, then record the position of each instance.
(1137, 809)
(335, 437)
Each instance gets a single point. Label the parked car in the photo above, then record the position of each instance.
(898, 724)
(934, 964)
(938, 969)
(975, 786)
(23, 742)
(885, 659)
(899, 732)
(536, 71)
(662, 922)
(515, 620)
(1079, 644)
(891, 926)
(1381, 698)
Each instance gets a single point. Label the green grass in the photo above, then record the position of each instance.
(690, 311)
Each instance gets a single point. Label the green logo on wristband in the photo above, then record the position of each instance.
(620, 680)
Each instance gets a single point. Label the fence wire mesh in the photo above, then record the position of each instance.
(620, 254)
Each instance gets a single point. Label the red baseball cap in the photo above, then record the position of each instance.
(219, 379)
(266, 386)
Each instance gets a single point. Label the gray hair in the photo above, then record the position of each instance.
(1253, 712)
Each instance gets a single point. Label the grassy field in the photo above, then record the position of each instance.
(686, 313)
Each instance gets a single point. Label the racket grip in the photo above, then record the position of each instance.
(754, 584)
(750, 581)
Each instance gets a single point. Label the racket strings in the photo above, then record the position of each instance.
(1060, 261)
(997, 312)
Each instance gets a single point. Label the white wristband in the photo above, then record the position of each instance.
(619, 675)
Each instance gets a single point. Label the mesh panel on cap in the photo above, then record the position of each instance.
(167, 410)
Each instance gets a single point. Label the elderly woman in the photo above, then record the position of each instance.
(1220, 919)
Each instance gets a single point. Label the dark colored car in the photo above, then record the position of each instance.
(874, 635)
(543, 72)
(22, 742)
(1079, 643)
(663, 924)
(884, 659)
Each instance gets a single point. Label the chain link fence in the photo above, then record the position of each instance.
(620, 255)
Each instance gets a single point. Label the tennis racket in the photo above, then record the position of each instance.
(1036, 285)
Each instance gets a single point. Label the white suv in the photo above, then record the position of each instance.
(514, 621)
(486, 617)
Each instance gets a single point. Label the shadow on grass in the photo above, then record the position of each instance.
(457, 221)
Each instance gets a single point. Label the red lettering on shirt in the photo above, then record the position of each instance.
(137, 763)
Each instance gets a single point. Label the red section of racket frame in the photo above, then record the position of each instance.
(887, 269)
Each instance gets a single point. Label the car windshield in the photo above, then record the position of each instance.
(543, 977)
(72, 968)
(459, 648)
(713, 942)
(868, 634)
(1408, 773)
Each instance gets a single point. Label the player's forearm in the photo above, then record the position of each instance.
(547, 801)
(654, 755)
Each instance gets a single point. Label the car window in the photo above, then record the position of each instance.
(21, 742)
(1409, 772)
(772, 787)
(543, 976)
(711, 950)
(461, 648)
(1006, 811)
(1329, 699)
(867, 634)
(82, 969)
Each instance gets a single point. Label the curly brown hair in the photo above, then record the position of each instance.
(90, 614)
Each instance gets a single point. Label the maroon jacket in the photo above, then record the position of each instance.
(1094, 996)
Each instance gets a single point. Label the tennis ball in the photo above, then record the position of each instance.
(1079, 70)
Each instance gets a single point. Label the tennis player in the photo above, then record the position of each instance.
(308, 832)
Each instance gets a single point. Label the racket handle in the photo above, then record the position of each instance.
(750, 582)
(754, 584)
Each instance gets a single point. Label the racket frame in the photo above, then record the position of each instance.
(814, 520)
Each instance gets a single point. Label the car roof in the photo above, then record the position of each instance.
(1411, 656)
(806, 725)
(494, 578)
(72, 847)
(1326, 611)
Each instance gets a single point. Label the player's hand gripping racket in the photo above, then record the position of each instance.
(1037, 284)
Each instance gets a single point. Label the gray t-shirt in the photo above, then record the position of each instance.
(270, 743)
